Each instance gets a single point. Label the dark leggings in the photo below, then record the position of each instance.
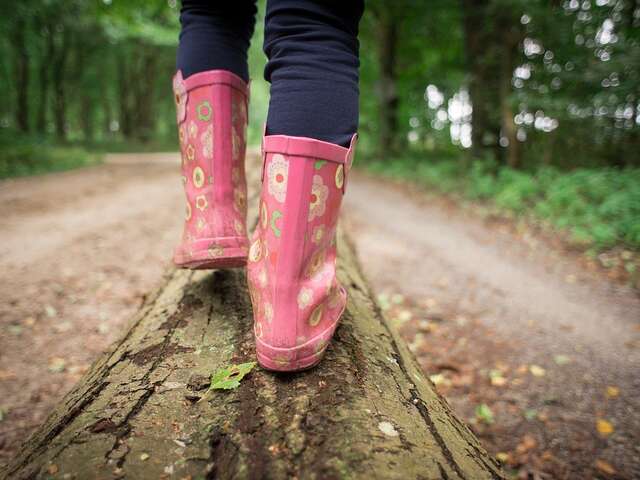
(312, 51)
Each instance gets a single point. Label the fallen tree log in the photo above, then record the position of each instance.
(365, 412)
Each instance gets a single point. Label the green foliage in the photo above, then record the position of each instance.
(549, 82)
(31, 156)
(600, 207)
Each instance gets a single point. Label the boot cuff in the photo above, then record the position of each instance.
(309, 147)
(211, 77)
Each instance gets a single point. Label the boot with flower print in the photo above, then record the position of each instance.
(212, 119)
(297, 300)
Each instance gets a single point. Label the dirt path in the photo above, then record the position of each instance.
(477, 303)
(78, 252)
(496, 320)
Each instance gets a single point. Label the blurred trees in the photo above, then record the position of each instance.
(88, 71)
(520, 82)
(523, 82)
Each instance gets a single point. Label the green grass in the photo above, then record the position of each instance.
(22, 155)
(35, 158)
(599, 207)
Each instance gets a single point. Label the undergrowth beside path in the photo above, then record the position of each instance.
(597, 208)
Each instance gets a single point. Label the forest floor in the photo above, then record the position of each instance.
(536, 349)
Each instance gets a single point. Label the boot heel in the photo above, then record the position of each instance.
(297, 300)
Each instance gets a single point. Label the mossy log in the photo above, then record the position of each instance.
(365, 412)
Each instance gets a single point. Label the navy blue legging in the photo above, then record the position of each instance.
(312, 50)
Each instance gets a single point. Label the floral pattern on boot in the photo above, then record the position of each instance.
(211, 111)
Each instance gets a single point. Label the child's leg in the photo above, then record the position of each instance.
(215, 35)
(211, 94)
(313, 116)
(312, 46)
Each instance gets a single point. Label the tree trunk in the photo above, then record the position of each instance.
(60, 90)
(81, 82)
(483, 72)
(21, 67)
(509, 127)
(144, 95)
(124, 93)
(48, 54)
(365, 412)
(389, 100)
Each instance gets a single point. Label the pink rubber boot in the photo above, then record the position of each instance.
(212, 119)
(297, 300)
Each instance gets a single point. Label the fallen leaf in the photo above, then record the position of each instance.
(527, 443)
(440, 379)
(15, 330)
(537, 371)
(612, 392)
(7, 375)
(427, 326)
(503, 457)
(547, 456)
(274, 449)
(229, 378)
(484, 414)
(604, 427)
(497, 380)
(57, 364)
(605, 467)
(52, 469)
(144, 457)
(397, 298)
(383, 301)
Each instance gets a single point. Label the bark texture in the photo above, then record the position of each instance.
(366, 412)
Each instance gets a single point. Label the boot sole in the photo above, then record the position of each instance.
(305, 363)
(233, 257)
(267, 362)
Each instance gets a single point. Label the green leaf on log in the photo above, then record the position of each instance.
(229, 378)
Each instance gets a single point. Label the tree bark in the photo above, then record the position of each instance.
(60, 90)
(509, 128)
(81, 80)
(365, 412)
(43, 77)
(124, 94)
(389, 100)
(21, 67)
(44, 24)
(145, 94)
(483, 76)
